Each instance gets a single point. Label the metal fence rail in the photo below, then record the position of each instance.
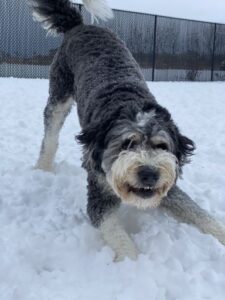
(167, 49)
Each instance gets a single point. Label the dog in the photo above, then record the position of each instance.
(133, 152)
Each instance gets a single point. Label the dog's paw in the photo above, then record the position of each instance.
(219, 232)
(131, 254)
(44, 167)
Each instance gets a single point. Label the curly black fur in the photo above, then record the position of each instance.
(61, 15)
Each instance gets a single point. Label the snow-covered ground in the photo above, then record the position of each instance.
(49, 250)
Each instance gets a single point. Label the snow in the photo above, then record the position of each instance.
(201, 10)
(48, 248)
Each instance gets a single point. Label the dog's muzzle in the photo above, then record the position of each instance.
(143, 178)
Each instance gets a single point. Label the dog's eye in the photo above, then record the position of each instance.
(162, 146)
(128, 144)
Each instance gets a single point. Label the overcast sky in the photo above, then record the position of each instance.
(204, 10)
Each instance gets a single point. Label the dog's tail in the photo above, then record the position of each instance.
(59, 16)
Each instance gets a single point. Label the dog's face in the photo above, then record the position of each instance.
(139, 163)
(142, 158)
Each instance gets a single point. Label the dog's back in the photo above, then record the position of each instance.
(103, 69)
(92, 62)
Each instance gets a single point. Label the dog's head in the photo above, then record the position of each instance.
(141, 154)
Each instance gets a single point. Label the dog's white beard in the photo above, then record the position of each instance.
(124, 174)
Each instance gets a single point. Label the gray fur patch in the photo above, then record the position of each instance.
(143, 118)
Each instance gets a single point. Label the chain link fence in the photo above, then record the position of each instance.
(167, 49)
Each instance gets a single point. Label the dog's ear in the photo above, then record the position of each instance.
(184, 149)
(92, 138)
(87, 136)
(184, 146)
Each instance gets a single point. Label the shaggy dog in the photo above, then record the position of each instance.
(132, 150)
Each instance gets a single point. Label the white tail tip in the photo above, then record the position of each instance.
(99, 9)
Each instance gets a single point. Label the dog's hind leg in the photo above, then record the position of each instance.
(55, 114)
(61, 98)
(183, 208)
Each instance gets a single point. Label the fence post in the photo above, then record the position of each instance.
(154, 48)
(80, 7)
(213, 51)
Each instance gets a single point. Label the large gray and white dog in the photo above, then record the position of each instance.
(133, 151)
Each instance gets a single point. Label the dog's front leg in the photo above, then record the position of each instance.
(102, 209)
(117, 238)
(182, 207)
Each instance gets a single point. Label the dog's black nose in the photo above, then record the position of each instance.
(148, 176)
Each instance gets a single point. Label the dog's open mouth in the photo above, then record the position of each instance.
(143, 192)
